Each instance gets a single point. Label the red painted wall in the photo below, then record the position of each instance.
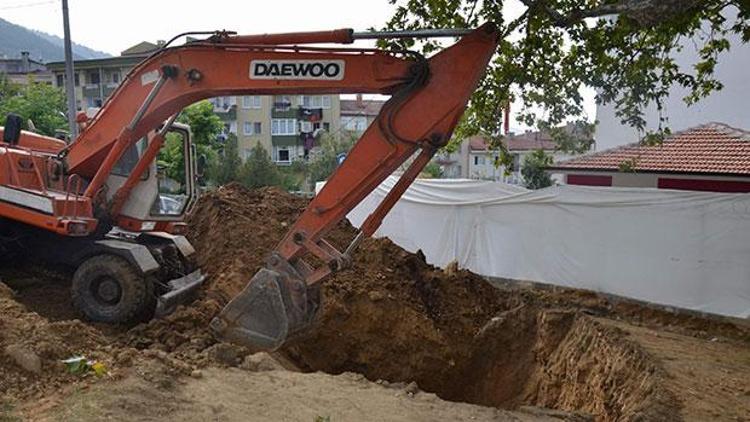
(704, 185)
(589, 180)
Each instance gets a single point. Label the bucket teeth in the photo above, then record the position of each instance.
(270, 309)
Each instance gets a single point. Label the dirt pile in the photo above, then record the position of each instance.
(32, 348)
(396, 318)
(389, 317)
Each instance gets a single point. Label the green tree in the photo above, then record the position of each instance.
(204, 123)
(324, 163)
(259, 170)
(533, 170)
(227, 167)
(7, 88)
(43, 104)
(550, 49)
(433, 170)
(205, 127)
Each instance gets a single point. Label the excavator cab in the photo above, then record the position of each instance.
(162, 195)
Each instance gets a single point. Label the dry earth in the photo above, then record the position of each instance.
(390, 321)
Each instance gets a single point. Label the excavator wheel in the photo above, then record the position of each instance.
(106, 288)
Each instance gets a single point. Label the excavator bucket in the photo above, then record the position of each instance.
(274, 305)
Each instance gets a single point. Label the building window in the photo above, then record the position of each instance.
(77, 79)
(315, 101)
(251, 101)
(326, 126)
(251, 128)
(282, 155)
(60, 80)
(282, 103)
(116, 77)
(478, 160)
(283, 126)
(355, 123)
(93, 78)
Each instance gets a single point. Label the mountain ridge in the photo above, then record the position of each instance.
(42, 47)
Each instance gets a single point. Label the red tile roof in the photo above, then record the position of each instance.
(361, 107)
(710, 148)
(523, 142)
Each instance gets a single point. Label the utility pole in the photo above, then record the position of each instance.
(69, 75)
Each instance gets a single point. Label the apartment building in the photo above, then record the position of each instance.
(96, 79)
(288, 126)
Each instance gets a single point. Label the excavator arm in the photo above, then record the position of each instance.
(428, 97)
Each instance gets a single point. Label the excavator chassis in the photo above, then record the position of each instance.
(106, 271)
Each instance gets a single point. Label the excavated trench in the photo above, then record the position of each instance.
(392, 317)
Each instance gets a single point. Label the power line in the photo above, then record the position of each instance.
(22, 5)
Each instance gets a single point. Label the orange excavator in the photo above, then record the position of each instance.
(99, 205)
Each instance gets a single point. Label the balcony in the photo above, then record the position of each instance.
(226, 113)
(109, 88)
(91, 90)
(281, 113)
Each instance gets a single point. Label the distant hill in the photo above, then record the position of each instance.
(43, 47)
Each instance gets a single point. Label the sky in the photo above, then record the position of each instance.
(112, 27)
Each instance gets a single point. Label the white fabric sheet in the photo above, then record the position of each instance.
(677, 248)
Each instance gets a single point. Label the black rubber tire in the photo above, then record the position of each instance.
(133, 298)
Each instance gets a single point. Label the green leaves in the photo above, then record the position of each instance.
(533, 170)
(259, 170)
(204, 123)
(552, 48)
(42, 104)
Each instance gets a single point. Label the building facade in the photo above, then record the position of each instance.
(287, 126)
(475, 159)
(711, 157)
(96, 79)
(25, 69)
(358, 114)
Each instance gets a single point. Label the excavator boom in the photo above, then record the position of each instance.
(420, 117)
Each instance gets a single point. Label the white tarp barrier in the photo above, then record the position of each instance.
(678, 248)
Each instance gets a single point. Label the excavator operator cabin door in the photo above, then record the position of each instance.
(168, 189)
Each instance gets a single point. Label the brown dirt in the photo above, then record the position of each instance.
(393, 317)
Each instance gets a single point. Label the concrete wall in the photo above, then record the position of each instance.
(729, 105)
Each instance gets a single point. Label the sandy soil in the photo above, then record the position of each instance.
(238, 395)
(390, 317)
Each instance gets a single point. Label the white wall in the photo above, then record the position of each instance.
(486, 169)
(730, 105)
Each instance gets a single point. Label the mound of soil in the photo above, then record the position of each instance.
(391, 316)
(32, 348)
